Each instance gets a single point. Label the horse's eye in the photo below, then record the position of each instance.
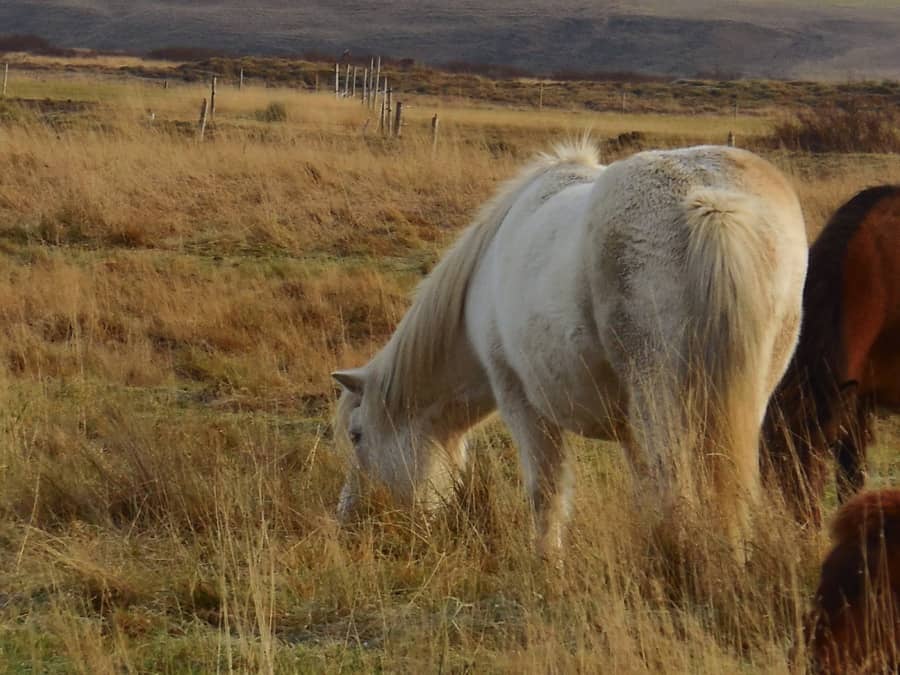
(355, 437)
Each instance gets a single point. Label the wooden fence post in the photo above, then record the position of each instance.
(378, 77)
(165, 84)
(730, 139)
(375, 103)
(203, 111)
(365, 86)
(354, 82)
(212, 99)
(347, 82)
(389, 109)
(337, 80)
(317, 81)
(5, 79)
(398, 120)
(241, 81)
(541, 97)
(434, 132)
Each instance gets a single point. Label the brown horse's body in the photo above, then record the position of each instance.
(847, 362)
(855, 623)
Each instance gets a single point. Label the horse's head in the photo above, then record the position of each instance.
(801, 424)
(393, 449)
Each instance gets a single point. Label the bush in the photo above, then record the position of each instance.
(840, 129)
(274, 112)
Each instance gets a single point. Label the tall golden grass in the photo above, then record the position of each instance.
(170, 313)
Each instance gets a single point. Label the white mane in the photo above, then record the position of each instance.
(407, 364)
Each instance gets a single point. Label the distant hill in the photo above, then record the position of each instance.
(749, 37)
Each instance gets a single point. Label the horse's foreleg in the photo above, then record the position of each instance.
(544, 467)
(349, 498)
(850, 452)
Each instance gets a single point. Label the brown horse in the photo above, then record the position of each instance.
(847, 361)
(855, 623)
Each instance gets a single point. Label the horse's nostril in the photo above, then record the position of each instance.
(355, 437)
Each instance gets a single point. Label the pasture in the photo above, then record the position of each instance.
(170, 312)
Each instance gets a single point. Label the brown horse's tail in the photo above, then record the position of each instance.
(729, 244)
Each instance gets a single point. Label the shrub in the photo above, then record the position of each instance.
(840, 129)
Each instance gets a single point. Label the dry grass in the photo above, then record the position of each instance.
(88, 61)
(170, 313)
(841, 129)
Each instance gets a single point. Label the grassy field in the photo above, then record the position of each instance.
(485, 87)
(170, 313)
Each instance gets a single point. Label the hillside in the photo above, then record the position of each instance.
(751, 37)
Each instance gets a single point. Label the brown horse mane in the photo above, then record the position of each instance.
(820, 358)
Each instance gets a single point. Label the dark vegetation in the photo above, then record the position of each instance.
(32, 44)
(841, 128)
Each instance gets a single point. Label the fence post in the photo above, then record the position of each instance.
(389, 109)
(398, 119)
(365, 86)
(378, 76)
(241, 81)
(434, 132)
(203, 111)
(347, 82)
(212, 99)
(378, 84)
(541, 97)
(730, 139)
(165, 84)
(337, 80)
(354, 82)
(5, 79)
(317, 81)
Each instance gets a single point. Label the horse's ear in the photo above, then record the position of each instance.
(351, 380)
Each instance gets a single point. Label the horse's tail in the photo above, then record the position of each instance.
(730, 246)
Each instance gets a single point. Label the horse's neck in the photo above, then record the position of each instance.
(458, 396)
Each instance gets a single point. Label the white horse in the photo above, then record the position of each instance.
(655, 301)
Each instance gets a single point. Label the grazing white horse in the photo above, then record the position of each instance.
(655, 301)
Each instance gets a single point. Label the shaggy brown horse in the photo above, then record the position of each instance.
(855, 623)
(847, 361)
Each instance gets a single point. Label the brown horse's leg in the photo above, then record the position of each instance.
(792, 466)
(850, 451)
